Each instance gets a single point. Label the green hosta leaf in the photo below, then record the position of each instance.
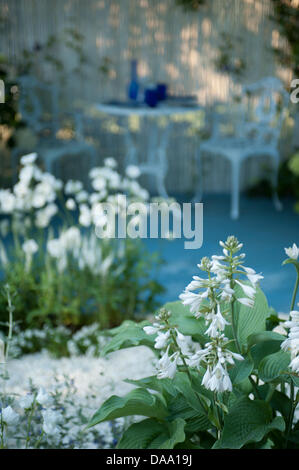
(272, 366)
(263, 337)
(137, 402)
(259, 351)
(248, 421)
(183, 385)
(151, 434)
(185, 321)
(180, 408)
(250, 320)
(127, 335)
(241, 370)
(164, 386)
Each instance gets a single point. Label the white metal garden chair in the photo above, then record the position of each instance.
(256, 133)
(39, 108)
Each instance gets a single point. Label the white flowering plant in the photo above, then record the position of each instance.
(49, 419)
(62, 272)
(225, 377)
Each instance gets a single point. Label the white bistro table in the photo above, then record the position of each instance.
(156, 154)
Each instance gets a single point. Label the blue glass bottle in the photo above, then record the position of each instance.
(133, 86)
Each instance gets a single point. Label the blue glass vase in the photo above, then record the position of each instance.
(133, 86)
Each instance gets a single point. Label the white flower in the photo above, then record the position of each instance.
(29, 159)
(218, 324)
(292, 252)
(184, 342)
(291, 344)
(99, 183)
(85, 218)
(150, 330)
(7, 201)
(26, 401)
(132, 171)
(70, 204)
(30, 247)
(246, 301)
(9, 416)
(110, 162)
(248, 290)
(167, 365)
(295, 364)
(161, 340)
(192, 300)
(55, 248)
(73, 187)
(81, 196)
(43, 398)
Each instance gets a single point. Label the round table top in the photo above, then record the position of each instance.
(163, 109)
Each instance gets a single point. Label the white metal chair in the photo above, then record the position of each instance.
(256, 133)
(39, 108)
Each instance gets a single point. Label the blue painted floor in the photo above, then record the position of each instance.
(264, 232)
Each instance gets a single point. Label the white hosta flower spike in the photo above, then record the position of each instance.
(291, 344)
(292, 252)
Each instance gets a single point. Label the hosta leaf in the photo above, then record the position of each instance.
(273, 366)
(137, 402)
(164, 386)
(250, 320)
(259, 351)
(195, 399)
(248, 421)
(241, 370)
(185, 320)
(263, 337)
(127, 335)
(151, 434)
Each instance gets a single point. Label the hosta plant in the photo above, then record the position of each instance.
(224, 378)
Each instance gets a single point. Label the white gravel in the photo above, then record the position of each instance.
(103, 376)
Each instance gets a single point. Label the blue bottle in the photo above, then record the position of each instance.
(133, 86)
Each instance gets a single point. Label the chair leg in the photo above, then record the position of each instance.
(235, 189)
(276, 201)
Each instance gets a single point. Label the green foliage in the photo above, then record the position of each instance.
(248, 421)
(152, 434)
(181, 413)
(75, 297)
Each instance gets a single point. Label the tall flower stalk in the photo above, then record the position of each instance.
(291, 344)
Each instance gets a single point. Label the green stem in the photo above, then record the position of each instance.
(29, 422)
(295, 292)
(187, 368)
